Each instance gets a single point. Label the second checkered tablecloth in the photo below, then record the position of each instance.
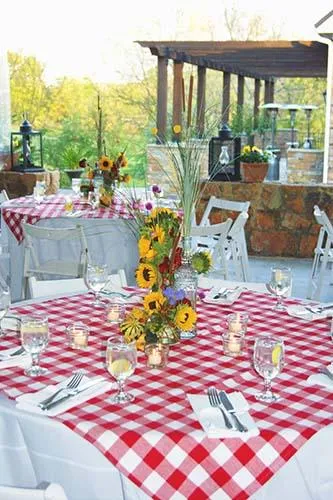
(157, 442)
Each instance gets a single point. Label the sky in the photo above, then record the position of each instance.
(96, 39)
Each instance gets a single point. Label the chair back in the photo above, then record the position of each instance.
(222, 204)
(45, 491)
(54, 252)
(3, 196)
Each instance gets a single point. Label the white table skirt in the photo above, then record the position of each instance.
(111, 240)
(35, 449)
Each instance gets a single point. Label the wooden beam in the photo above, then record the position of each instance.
(256, 103)
(177, 95)
(201, 100)
(162, 97)
(225, 98)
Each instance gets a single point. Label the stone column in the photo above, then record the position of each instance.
(162, 96)
(226, 97)
(201, 100)
(177, 93)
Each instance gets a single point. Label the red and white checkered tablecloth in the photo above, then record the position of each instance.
(157, 441)
(25, 210)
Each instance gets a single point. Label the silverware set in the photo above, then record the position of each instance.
(318, 309)
(325, 371)
(72, 384)
(224, 292)
(221, 401)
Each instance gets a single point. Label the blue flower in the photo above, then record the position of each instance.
(174, 295)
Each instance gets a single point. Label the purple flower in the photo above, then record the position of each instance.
(149, 205)
(174, 295)
(201, 294)
(156, 189)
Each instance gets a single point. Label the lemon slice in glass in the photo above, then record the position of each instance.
(276, 355)
(120, 367)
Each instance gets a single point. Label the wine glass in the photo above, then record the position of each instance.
(96, 278)
(34, 339)
(268, 359)
(121, 362)
(4, 305)
(76, 185)
(280, 284)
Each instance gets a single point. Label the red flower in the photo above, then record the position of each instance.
(164, 266)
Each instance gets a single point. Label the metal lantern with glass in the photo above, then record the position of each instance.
(26, 149)
(223, 156)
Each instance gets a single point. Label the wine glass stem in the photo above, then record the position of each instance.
(268, 386)
(35, 360)
(121, 385)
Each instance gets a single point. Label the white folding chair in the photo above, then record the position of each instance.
(53, 253)
(222, 204)
(203, 235)
(45, 491)
(323, 254)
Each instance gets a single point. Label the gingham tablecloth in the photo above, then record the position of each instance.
(157, 442)
(21, 210)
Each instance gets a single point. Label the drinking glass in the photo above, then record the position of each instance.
(268, 359)
(34, 339)
(280, 284)
(96, 278)
(39, 191)
(76, 185)
(4, 305)
(120, 363)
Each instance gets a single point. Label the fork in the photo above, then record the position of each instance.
(325, 371)
(72, 384)
(18, 352)
(213, 401)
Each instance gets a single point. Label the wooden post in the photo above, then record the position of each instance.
(257, 84)
(189, 101)
(201, 100)
(271, 90)
(267, 94)
(240, 98)
(177, 95)
(162, 97)
(225, 98)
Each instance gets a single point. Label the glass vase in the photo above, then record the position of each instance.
(186, 278)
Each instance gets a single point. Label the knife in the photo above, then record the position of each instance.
(231, 410)
(73, 392)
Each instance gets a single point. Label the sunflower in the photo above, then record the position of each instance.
(185, 317)
(177, 129)
(246, 149)
(146, 276)
(105, 163)
(145, 249)
(158, 234)
(127, 178)
(154, 131)
(153, 302)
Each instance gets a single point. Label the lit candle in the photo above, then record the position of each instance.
(154, 356)
(80, 338)
(234, 344)
(278, 275)
(235, 326)
(113, 314)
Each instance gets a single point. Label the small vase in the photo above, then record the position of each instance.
(253, 172)
(168, 335)
(186, 278)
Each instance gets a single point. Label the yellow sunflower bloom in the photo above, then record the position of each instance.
(246, 149)
(138, 313)
(161, 210)
(256, 150)
(159, 234)
(146, 276)
(127, 178)
(177, 129)
(105, 163)
(141, 342)
(185, 317)
(154, 130)
(145, 250)
(153, 302)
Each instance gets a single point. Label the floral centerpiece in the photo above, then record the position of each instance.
(112, 175)
(254, 163)
(166, 310)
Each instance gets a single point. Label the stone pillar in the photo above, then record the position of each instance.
(162, 96)
(256, 102)
(177, 93)
(226, 97)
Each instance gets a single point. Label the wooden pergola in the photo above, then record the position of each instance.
(263, 61)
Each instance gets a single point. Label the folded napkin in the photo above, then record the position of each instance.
(76, 213)
(212, 421)
(7, 361)
(299, 311)
(29, 402)
(111, 290)
(321, 379)
(11, 323)
(227, 299)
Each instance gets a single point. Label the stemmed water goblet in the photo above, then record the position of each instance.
(121, 362)
(4, 305)
(76, 185)
(280, 284)
(34, 339)
(96, 277)
(268, 357)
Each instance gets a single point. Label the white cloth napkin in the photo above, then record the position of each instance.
(76, 213)
(6, 361)
(229, 299)
(115, 291)
(29, 402)
(212, 421)
(299, 311)
(321, 379)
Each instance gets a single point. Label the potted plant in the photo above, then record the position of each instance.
(253, 164)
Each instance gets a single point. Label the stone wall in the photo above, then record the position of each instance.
(22, 184)
(305, 165)
(281, 221)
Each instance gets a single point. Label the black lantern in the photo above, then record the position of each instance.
(224, 153)
(26, 149)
